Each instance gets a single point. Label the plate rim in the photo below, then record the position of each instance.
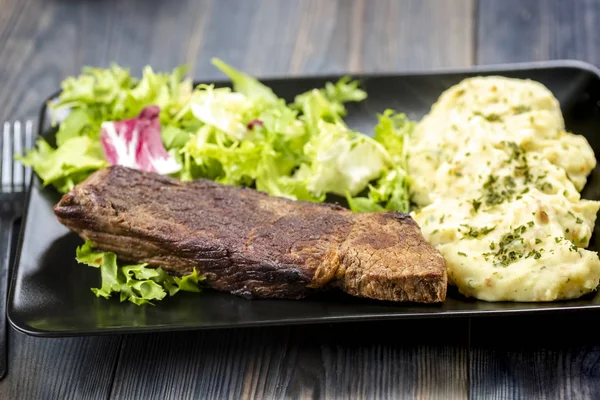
(484, 68)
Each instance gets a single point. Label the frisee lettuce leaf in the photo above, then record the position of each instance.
(391, 191)
(137, 283)
(112, 94)
(68, 164)
(341, 161)
(245, 84)
(363, 204)
(328, 103)
(77, 123)
(393, 131)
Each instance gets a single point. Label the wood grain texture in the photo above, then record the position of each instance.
(424, 359)
(533, 30)
(43, 42)
(299, 38)
(550, 357)
(78, 368)
(73, 368)
(543, 358)
(388, 35)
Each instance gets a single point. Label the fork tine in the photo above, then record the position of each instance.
(17, 148)
(6, 159)
(28, 146)
(23, 153)
(5, 128)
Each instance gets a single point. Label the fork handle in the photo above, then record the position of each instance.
(6, 234)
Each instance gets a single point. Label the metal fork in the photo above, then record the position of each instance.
(15, 178)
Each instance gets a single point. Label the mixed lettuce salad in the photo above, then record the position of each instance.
(244, 135)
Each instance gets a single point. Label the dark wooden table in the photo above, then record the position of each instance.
(552, 357)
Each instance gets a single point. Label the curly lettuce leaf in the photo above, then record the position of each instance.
(341, 161)
(327, 104)
(262, 158)
(112, 94)
(315, 108)
(222, 109)
(97, 86)
(137, 283)
(393, 131)
(344, 90)
(98, 95)
(245, 84)
(77, 123)
(174, 137)
(243, 140)
(391, 190)
(389, 193)
(236, 114)
(363, 204)
(68, 164)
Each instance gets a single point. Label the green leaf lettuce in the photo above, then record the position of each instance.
(137, 283)
(391, 190)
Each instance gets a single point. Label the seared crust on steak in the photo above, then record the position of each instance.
(252, 244)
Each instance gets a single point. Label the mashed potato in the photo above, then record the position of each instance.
(497, 178)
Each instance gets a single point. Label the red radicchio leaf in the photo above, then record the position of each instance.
(253, 123)
(136, 143)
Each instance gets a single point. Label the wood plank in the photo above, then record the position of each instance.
(73, 368)
(361, 36)
(306, 37)
(40, 368)
(533, 30)
(550, 357)
(41, 43)
(424, 359)
(542, 357)
(36, 42)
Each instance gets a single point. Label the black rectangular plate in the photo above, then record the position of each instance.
(50, 293)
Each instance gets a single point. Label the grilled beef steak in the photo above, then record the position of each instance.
(251, 244)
